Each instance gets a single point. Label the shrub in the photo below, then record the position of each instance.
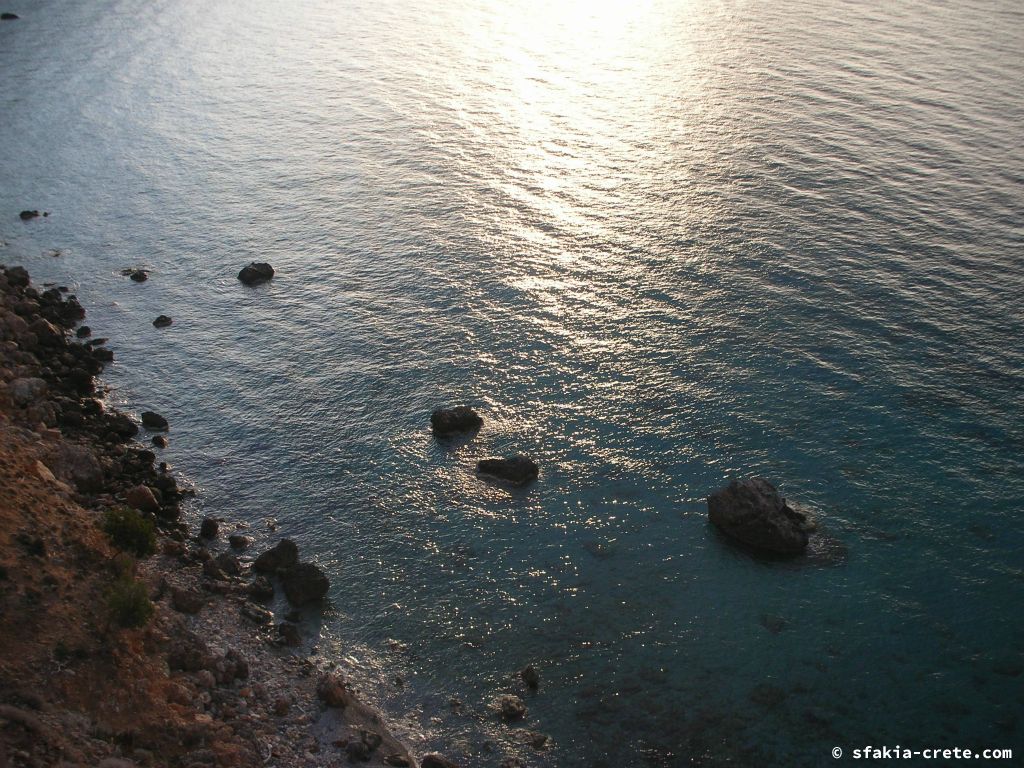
(129, 531)
(129, 603)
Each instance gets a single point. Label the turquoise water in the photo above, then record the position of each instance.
(658, 245)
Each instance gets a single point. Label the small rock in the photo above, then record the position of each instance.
(516, 470)
(25, 215)
(238, 541)
(531, 677)
(205, 679)
(511, 707)
(153, 421)
(434, 760)
(281, 706)
(289, 634)
(256, 273)
(209, 528)
(229, 564)
(257, 613)
(141, 497)
(261, 588)
(84, 332)
(162, 321)
(284, 555)
(332, 691)
(304, 583)
(159, 441)
(137, 275)
(450, 421)
(186, 601)
(536, 740)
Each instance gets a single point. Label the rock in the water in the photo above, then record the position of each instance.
(141, 497)
(284, 555)
(153, 421)
(434, 760)
(511, 707)
(209, 528)
(162, 321)
(238, 541)
(530, 676)
(257, 272)
(304, 583)
(25, 215)
(159, 441)
(450, 421)
(332, 691)
(84, 332)
(137, 275)
(517, 470)
(289, 634)
(752, 512)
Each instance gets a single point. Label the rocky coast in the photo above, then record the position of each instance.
(128, 639)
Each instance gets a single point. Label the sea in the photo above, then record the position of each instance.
(658, 245)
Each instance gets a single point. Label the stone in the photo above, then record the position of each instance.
(162, 321)
(24, 215)
(511, 707)
(77, 465)
(281, 706)
(434, 760)
(136, 275)
(229, 564)
(257, 272)
(153, 421)
(284, 555)
(209, 528)
(450, 421)
(752, 512)
(261, 588)
(84, 332)
(257, 613)
(332, 691)
(159, 441)
(238, 541)
(516, 470)
(289, 634)
(304, 583)
(186, 600)
(142, 498)
(397, 761)
(26, 390)
(530, 676)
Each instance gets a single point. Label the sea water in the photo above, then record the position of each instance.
(657, 245)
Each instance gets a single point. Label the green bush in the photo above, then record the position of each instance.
(129, 531)
(129, 603)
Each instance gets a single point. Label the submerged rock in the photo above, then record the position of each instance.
(450, 421)
(752, 512)
(136, 275)
(304, 583)
(511, 707)
(257, 272)
(517, 470)
(209, 528)
(284, 555)
(530, 676)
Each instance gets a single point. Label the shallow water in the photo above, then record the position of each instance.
(658, 245)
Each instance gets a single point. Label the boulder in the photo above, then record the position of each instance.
(138, 275)
(153, 421)
(332, 691)
(289, 634)
(162, 321)
(516, 470)
(209, 528)
(530, 676)
(238, 541)
(78, 465)
(450, 421)
(257, 272)
(261, 589)
(229, 564)
(27, 390)
(304, 583)
(186, 600)
(120, 427)
(24, 215)
(142, 498)
(284, 555)
(434, 760)
(159, 441)
(84, 332)
(752, 512)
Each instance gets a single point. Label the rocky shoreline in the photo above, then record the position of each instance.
(119, 651)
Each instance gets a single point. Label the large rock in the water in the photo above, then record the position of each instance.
(153, 421)
(752, 512)
(517, 470)
(257, 272)
(305, 583)
(284, 555)
(450, 421)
